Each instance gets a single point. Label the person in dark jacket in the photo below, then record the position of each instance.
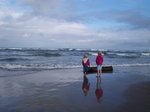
(85, 63)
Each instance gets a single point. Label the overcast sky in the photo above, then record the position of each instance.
(100, 24)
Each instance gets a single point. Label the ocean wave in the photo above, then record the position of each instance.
(145, 54)
(36, 67)
(92, 53)
(13, 59)
(46, 54)
(11, 48)
(116, 55)
(71, 52)
(77, 49)
(122, 55)
(33, 67)
(129, 65)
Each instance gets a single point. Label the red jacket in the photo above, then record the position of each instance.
(87, 63)
(99, 60)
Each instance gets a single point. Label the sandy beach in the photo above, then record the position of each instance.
(125, 90)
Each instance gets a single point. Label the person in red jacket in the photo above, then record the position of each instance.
(99, 62)
(85, 63)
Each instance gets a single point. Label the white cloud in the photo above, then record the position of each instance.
(45, 32)
(46, 25)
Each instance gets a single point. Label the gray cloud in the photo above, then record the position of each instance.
(59, 9)
(69, 10)
(48, 24)
(133, 18)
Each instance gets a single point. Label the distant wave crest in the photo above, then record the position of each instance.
(36, 67)
(136, 64)
(12, 59)
(51, 67)
(46, 54)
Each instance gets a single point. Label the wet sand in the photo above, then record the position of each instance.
(125, 90)
(137, 98)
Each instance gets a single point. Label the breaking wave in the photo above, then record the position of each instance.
(13, 59)
(36, 67)
(47, 59)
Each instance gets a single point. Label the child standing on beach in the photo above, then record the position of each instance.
(99, 62)
(85, 63)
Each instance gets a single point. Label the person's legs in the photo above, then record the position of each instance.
(85, 70)
(99, 70)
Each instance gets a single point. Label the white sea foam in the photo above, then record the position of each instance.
(146, 54)
(135, 64)
(50, 67)
(92, 53)
(36, 67)
(40, 59)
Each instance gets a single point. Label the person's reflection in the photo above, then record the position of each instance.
(85, 85)
(98, 91)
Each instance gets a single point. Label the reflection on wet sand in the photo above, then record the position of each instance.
(99, 90)
(85, 85)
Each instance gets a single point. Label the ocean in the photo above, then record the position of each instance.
(22, 59)
(43, 80)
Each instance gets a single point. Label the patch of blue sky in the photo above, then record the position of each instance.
(14, 4)
(107, 5)
(9, 3)
(144, 10)
(103, 25)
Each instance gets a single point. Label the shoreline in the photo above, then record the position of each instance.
(61, 90)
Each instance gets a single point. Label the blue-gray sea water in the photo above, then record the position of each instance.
(59, 89)
(22, 59)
